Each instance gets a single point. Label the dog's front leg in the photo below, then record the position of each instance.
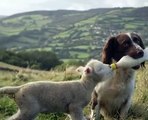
(95, 113)
(124, 109)
(95, 108)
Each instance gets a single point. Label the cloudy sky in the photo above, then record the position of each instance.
(9, 7)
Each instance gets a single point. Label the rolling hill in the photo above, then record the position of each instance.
(70, 34)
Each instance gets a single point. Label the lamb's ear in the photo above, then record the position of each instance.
(80, 69)
(88, 70)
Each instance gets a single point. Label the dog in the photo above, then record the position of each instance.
(67, 97)
(112, 99)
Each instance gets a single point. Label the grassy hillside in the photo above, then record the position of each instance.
(138, 111)
(2, 16)
(70, 34)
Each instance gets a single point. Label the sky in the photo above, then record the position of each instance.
(9, 7)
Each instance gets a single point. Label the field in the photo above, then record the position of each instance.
(16, 76)
(70, 34)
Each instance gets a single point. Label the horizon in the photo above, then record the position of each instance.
(68, 10)
(9, 8)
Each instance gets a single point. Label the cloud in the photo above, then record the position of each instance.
(16, 6)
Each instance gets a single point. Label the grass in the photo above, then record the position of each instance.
(64, 34)
(10, 30)
(80, 55)
(82, 47)
(14, 26)
(130, 26)
(40, 49)
(138, 110)
(87, 21)
(56, 44)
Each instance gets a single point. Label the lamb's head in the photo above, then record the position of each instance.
(96, 70)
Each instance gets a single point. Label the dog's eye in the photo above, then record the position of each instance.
(136, 40)
(126, 44)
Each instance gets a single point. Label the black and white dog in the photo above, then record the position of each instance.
(112, 99)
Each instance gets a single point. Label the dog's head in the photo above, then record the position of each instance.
(123, 44)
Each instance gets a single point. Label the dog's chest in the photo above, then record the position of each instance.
(118, 88)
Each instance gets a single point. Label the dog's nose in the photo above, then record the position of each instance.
(140, 53)
(137, 54)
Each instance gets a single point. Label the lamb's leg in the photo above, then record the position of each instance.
(23, 115)
(77, 116)
(13, 117)
(76, 113)
(28, 108)
(27, 111)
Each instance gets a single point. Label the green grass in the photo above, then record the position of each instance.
(64, 34)
(138, 110)
(130, 26)
(80, 55)
(40, 49)
(56, 44)
(28, 22)
(82, 47)
(87, 21)
(85, 33)
(10, 30)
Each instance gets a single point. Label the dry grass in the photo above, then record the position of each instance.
(138, 111)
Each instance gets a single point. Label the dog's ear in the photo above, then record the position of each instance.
(142, 46)
(108, 50)
(140, 40)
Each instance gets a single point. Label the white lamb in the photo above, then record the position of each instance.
(68, 97)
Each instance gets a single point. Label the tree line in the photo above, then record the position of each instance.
(44, 60)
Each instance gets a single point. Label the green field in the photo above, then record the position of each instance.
(61, 31)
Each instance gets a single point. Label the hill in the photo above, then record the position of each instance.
(2, 16)
(70, 34)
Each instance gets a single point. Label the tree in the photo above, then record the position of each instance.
(33, 59)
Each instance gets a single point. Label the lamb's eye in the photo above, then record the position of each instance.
(97, 69)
